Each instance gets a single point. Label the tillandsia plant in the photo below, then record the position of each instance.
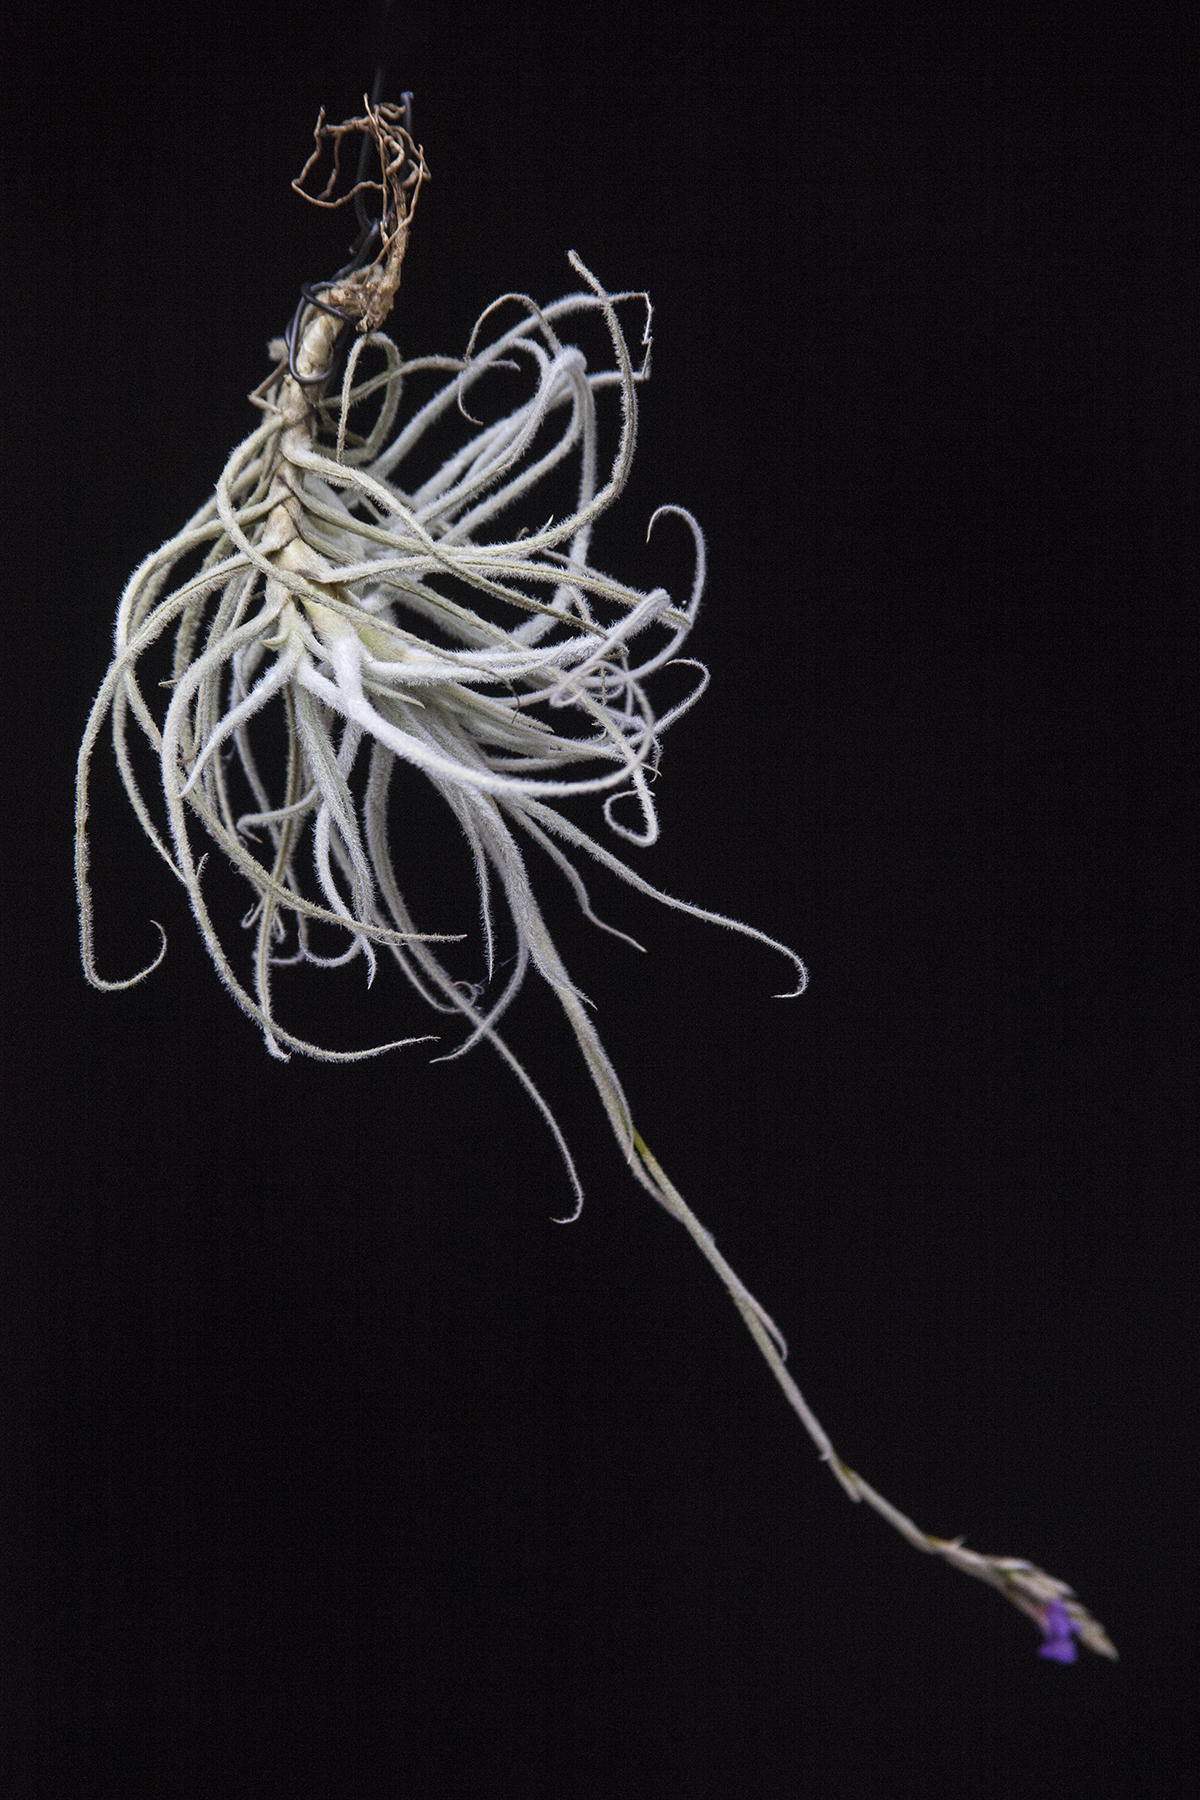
(383, 618)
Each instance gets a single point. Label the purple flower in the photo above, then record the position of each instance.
(1057, 1628)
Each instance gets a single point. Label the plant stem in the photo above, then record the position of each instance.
(1028, 1587)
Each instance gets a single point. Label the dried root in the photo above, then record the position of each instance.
(366, 295)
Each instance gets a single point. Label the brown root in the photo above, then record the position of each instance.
(366, 296)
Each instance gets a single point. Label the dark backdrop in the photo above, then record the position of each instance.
(334, 1466)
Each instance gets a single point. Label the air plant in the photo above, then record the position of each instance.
(382, 617)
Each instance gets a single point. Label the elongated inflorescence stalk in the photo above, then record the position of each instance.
(357, 601)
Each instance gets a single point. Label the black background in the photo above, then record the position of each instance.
(334, 1466)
